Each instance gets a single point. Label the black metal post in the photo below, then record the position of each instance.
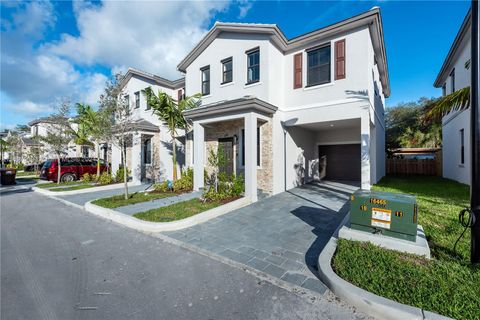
(475, 135)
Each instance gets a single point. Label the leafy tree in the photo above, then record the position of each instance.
(407, 128)
(218, 161)
(59, 133)
(15, 144)
(170, 112)
(119, 119)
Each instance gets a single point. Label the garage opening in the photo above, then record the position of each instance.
(340, 162)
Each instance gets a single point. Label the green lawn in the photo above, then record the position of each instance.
(26, 173)
(119, 201)
(447, 284)
(177, 211)
(75, 187)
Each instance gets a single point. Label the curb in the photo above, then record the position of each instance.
(81, 191)
(367, 302)
(147, 226)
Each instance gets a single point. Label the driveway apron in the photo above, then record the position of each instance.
(282, 235)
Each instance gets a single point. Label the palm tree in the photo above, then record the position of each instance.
(170, 112)
(455, 101)
(95, 125)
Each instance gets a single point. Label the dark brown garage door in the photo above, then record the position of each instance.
(340, 162)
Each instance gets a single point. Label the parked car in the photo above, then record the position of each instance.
(71, 168)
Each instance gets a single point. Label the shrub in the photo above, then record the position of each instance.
(228, 187)
(119, 174)
(161, 187)
(19, 166)
(105, 178)
(87, 177)
(185, 183)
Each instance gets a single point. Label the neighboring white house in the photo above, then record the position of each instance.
(149, 151)
(456, 125)
(289, 111)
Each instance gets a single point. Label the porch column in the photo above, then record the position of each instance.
(251, 156)
(116, 158)
(198, 156)
(136, 158)
(365, 150)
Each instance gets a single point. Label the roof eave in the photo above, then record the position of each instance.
(467, 22)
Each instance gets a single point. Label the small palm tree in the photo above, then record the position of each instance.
(170, 112)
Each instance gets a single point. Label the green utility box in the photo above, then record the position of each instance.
(391, 214)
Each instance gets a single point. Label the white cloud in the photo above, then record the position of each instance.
(152, 36)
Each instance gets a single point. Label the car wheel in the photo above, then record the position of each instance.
(68, 177)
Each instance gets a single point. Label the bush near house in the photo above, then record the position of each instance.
(229, 187)
(446, 284)
(119, 174)
(184, 184)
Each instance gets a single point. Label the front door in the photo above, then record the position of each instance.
(226, 144)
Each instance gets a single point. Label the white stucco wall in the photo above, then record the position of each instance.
(453, 122)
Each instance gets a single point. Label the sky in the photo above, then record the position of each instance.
(56, 50)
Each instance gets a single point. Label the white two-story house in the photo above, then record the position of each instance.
(149, 151)
(455, 75)
(290, 111)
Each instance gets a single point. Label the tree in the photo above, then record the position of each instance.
(95, 125)
(170, 112)
(59, 133)
(406, 128)
(15, 144)
(117, 114)
(454, 101)
(218, 161)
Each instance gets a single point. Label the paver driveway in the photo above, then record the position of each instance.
(281, 235)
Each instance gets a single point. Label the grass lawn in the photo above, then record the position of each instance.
(75, 187)
(447, 284)
(119, 201)
(177, 211)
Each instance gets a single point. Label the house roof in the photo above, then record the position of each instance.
(175, 84)
(31, 142)
(144, 125)
(452, 53)
(232, 106)
(40, 120)
(371, 18)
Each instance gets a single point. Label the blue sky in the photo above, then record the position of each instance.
(51, 50)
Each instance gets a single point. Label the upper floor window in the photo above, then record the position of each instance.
(227, 70)
(205, 80)
(127, 101)
(452, 80)
(444, 89)
(318, 66)
(137, 99)
(253, 65)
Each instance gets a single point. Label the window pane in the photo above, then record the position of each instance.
(253, 66)
(318, 66)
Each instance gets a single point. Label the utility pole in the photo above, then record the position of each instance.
(475, 135)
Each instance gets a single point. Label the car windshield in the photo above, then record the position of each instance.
(47, 164)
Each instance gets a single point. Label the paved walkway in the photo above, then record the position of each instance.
(83, 198)
(282, 235)
(158, 203)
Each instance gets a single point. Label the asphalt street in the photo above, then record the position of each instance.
(59, 262)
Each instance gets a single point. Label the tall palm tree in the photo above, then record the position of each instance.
(170, 111)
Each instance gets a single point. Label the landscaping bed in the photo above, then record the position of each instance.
(447, 284)
(180, 210)
(120, 201)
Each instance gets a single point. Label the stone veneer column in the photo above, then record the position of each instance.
(251, 156)
(198, 158)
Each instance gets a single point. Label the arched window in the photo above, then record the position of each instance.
(147, 151)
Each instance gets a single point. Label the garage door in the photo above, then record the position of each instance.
(340, 162)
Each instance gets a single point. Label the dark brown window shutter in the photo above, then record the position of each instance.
(180, 95)
(340, 59)
(297, 70)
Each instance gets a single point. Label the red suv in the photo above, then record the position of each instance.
(71, 168)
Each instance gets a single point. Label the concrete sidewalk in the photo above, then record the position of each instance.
(81, 199)
(158, 203)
